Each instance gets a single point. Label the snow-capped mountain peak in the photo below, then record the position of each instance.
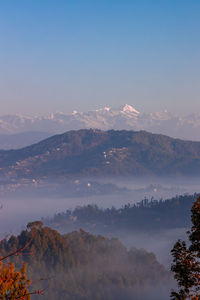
(129, 109)
(106, 108)
(75, 112)
(125, 117)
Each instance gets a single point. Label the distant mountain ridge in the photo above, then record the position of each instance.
(102, 153)
(125, 117)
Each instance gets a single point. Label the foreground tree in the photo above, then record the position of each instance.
(186, 260)
(14, 284)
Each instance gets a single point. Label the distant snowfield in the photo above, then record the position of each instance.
(126, 117)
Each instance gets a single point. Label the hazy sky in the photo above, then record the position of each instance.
(84, 54)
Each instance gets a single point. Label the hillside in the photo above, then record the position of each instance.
(100, 153)
(80, 266)
(146, 216)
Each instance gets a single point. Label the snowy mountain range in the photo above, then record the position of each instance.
(126, 117)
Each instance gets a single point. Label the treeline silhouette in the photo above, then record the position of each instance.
(79, 265)
(146, 215)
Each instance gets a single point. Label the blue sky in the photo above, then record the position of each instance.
(85, 54)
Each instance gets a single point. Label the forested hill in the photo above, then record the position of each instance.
(100, 153)
(146, 215)
(80, 266)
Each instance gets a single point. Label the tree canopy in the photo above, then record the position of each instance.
(13, 284)
(80, 265)
(186, 263)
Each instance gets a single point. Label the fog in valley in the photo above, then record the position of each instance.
(17, 211)
(24, 204)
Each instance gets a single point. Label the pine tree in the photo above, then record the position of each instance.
(186, 263)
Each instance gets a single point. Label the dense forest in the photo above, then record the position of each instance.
(79, 265)
(145, 215)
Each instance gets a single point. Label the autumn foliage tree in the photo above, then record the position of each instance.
(186, 260)
(79, 265)
(14, 283)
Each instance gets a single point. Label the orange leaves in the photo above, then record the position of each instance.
(13, 284)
